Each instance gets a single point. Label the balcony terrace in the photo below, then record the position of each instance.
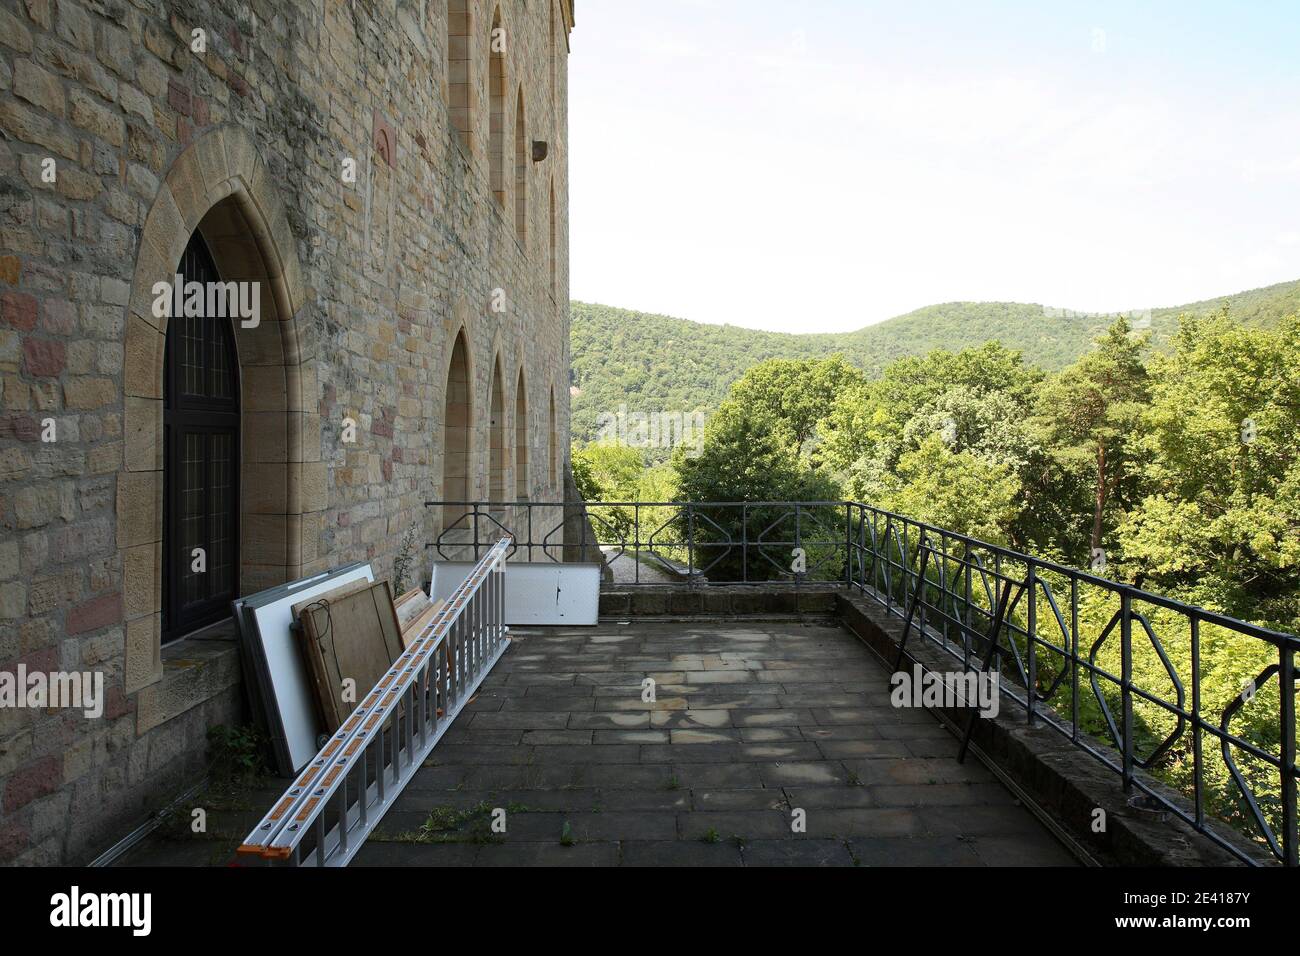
(770, 632)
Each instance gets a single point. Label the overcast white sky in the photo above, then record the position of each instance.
(824, 164)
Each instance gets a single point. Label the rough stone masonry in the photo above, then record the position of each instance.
(392, 175)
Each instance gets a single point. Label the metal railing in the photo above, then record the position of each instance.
(1047, 629)
(339, 797)
(733, 542)
(1047, 626)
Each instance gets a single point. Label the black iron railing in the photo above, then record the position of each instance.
(1203, 701)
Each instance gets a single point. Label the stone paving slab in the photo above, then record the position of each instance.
(750, 723)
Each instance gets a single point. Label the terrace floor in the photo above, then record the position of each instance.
(751, 722)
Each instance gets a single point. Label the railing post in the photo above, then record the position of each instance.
(1031, 639)
(1286, 677)
(1074, 659)
(966, 628)
(887, 572)
(920, 582)
(690, 541)
(798, 536)
(848, 545)
(744, 543)
(1198, 760)
(1126, 684)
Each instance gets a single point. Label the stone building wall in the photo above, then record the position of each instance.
(250, 137)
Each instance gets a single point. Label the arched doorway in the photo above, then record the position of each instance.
(456, 422)
(200, 559)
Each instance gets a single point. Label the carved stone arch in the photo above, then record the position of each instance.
(553, 261)
(457, 423)
(522, 435)
(521, 156)
(498, 433)
(220, 188)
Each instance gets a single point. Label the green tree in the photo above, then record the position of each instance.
(955, 490)
(1090, 413)
(869, 420)
(795, 395)
(745, 458)
(606, 472)
(1222, 522)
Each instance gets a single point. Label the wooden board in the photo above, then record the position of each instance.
(412, 630)
(411, 605)
(349, 641)
(283, 684)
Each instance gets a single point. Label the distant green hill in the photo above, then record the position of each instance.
(654, 363)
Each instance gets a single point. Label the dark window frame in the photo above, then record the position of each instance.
(204, 415)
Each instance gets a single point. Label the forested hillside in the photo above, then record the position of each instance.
(657, 363)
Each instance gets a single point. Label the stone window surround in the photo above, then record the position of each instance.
(220, 183)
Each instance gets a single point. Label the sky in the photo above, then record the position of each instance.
(820, 165)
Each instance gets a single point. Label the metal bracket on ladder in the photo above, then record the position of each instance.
(343, 792)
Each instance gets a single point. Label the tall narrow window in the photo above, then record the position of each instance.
(456, 421)
(201, 458)
(497, 111)
(552, 449)
(460, 79)
(521, 440)
(555, 272)
(497, 442)
(521, 173)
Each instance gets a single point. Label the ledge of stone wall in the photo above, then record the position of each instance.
(1065, 782)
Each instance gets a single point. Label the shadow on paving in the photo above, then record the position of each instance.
(750, 723)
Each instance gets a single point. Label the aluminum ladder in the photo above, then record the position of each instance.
(341, 795)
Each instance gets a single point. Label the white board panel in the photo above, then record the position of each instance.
(537, 593)
(285, 669)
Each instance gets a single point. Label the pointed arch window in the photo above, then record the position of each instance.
(201, 460)
(521, 173)
(497, 442)
(552, 449)
(458, 415)
(521, 440)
